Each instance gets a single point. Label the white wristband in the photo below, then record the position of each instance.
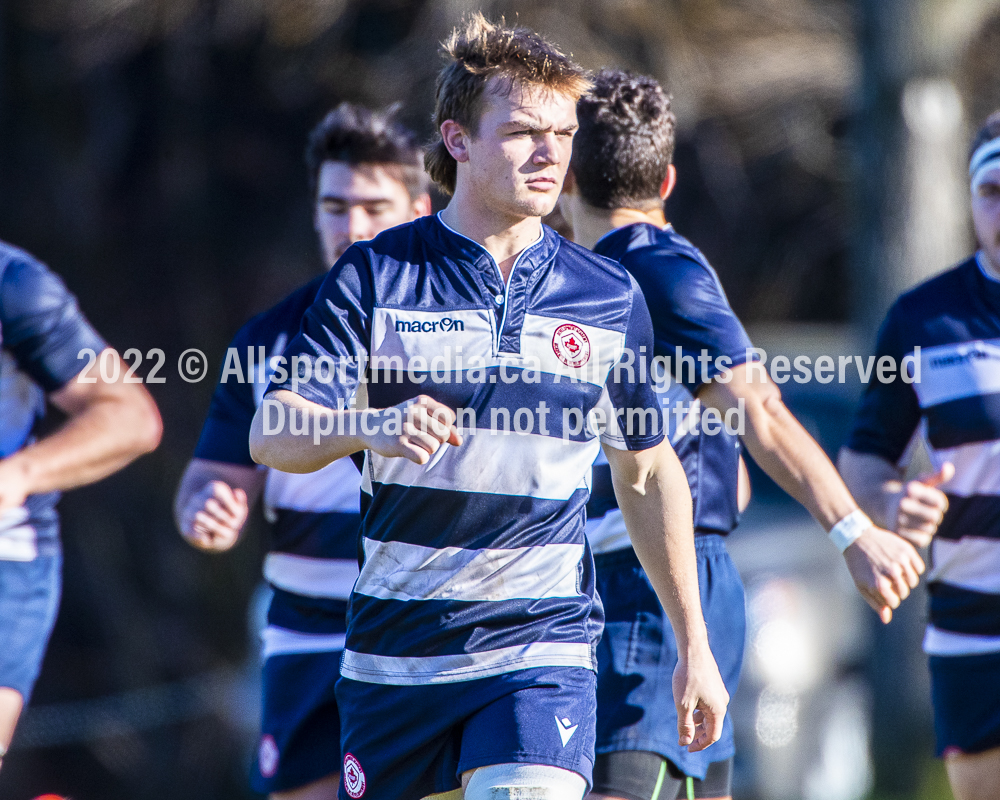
(849, 529)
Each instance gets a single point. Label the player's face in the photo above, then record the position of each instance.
(519, 154)
(986, 216)
(357, 203)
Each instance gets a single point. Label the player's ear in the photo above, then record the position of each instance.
(455, 140)
(668, 182)
(421, 207)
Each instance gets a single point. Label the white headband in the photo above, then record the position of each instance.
(984, 160)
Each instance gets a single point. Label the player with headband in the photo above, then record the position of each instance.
(951, 325)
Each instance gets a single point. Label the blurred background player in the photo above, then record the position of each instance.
(951, 323)
(109, 423)
(470, 647)
(621, 174)
(367, 175)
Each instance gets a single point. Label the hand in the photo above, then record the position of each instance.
(14, 486)
(916, 510)
(215, 516)
(884, 567)
(701, 699)
(426, 424)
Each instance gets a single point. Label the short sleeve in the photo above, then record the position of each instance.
(42, 324)
(333, 340)
(635, 421)
(226, 432)
(692, 315)
(889, 412)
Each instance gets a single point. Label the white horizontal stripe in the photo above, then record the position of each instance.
(608, 533)
(331, 578)
(445, 341)
(281, 641)
(971, 563)
(946, 643)
(401, 671)
(953, 371)
(333, 488)
(537, 344)
(494, 462)
(402, 571)
(18, 542)
(977, 468)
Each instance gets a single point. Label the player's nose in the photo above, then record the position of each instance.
(359, 225)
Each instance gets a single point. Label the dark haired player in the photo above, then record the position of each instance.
(622, 173)
(472, 627)
(367, 175)
(44, 337)
(951, 323)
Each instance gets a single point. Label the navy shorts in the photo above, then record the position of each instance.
(406, 742)
(300, 725)
(29, 604)
(965, 691)
(638, 653)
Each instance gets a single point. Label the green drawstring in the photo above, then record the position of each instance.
(690, 787)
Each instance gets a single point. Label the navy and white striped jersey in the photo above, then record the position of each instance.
(476, 563)
(43, 332)
(951, 326)
(314, 518)
(691, 319)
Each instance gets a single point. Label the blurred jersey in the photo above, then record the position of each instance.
(950, 325)
(691, 319)
(314, 517)
(44, 337)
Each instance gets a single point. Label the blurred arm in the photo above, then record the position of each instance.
(110, 424)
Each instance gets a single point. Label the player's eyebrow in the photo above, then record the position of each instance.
(536, 128)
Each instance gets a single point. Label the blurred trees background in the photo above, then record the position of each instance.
(150, 152)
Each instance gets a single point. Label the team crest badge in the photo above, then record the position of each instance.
(354, 777)
(571, 345)
(267, 756)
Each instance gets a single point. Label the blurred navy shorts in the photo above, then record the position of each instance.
(637, 654)
(965, 691)
(29, 603)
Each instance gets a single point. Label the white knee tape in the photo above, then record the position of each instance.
(525, 782)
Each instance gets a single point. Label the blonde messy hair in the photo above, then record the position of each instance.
(479, 51)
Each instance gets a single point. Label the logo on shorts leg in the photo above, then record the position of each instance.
(354, 776)
(571, 345)
(566, 729)
(268, 756)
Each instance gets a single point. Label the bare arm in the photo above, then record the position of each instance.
(213, 502)
(884, 566)
(110, 424)
(913, 509)
(413, 429)
(655, 501)
(743, 488)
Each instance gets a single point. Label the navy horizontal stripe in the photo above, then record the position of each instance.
(964, 421)
(472, 520)
(483, 397)
(307, 614)
(964, 611)
(420, 628)
(314, 534)
(978, 515)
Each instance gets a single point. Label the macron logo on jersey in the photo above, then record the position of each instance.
(566, 730)
(415, 326)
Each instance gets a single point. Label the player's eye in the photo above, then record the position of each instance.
(334, 207)
(376, 209)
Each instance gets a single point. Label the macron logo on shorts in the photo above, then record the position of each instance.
(566, 730)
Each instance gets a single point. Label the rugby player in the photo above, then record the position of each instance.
(470, 646)
(367, 175)
(621, 173)
(45, 340)
(951, 325)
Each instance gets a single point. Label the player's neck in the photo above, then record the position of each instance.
(591, 224)
(504, 237)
